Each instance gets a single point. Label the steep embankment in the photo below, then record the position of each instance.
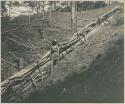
(102, 58)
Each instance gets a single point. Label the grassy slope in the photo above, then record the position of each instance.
(102, 82)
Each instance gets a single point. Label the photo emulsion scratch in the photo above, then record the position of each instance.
(62, 51)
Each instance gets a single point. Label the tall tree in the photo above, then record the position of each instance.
(50, 13)
(9, 4)
(3, 8)
(74, 15)
(53, 3)
(38, 6)
(43, 11)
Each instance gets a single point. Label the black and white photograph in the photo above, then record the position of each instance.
(62, 51)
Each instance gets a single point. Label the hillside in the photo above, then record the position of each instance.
(95, 69)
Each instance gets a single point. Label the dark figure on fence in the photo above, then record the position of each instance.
(54, 54)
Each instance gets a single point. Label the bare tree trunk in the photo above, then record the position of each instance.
(43, 12)
(9, 6)
(74, 16)
(109, 3)
(29, 18)
(9, 11)
(53, 5)
(32, 10)
(50, 16)
(43, 18)
(37, 10)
